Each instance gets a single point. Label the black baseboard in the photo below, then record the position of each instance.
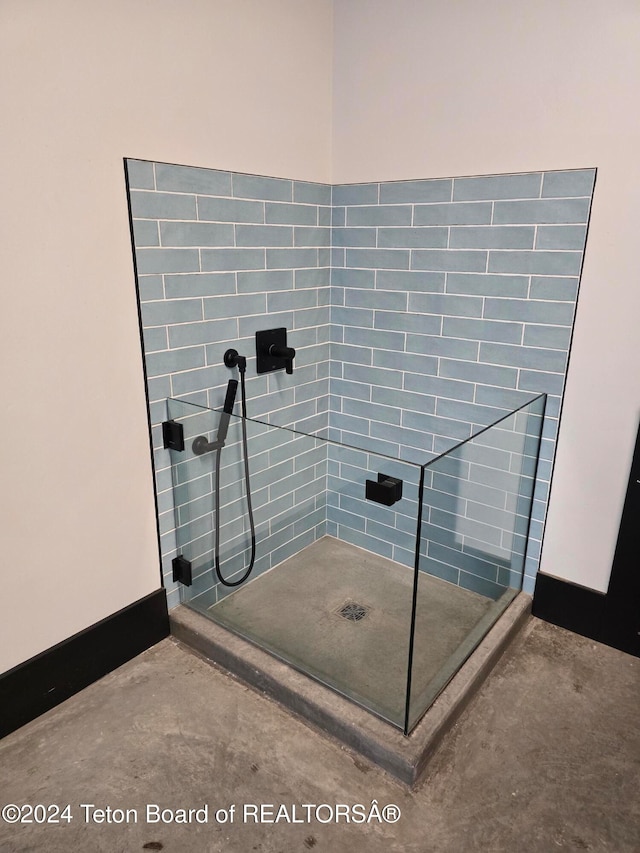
(41, 683)
(609, 618)
(573, 607)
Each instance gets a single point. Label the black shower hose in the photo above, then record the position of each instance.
(252, 527)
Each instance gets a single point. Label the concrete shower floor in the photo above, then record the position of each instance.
(293, 611)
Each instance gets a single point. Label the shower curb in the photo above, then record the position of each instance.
(406, 758)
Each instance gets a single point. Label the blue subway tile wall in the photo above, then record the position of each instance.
(489, 268)
(219, 256)
(420, 312)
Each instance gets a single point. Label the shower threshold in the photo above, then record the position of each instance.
(330, 622)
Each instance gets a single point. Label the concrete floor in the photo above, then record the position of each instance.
(546, 757)
(293, 611)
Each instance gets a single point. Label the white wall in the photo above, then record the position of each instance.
(421, 89)
(426, 89)
(232, 84)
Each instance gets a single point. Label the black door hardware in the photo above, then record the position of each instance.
(172, 435)
(386, 490)
(181, 570)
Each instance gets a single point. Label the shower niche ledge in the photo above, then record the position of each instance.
(405, 757)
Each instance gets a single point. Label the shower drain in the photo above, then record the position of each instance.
(352, 611)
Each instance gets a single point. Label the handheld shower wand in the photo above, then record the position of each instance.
(202, 445)
(227, 410)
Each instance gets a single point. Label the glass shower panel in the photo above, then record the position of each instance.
(288, 495)
(375, 576)
(193, 477)
(372, 574)
(476, 510)
(339, 606)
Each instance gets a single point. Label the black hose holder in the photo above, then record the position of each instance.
(385, 490)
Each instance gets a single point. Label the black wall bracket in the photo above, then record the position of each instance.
(386, 490)
(181, 570)
(172, 435)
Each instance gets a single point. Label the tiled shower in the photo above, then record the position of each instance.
(420, 311)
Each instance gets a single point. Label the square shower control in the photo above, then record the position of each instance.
(265, 340)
